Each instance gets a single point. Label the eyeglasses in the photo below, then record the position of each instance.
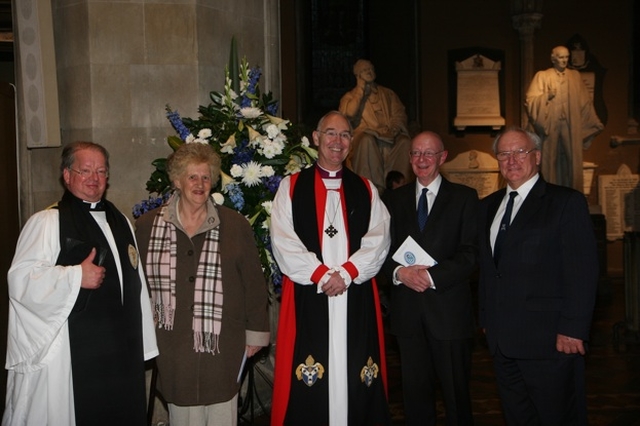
(85, 173)
(345, 136)
(519, 155)
(426, 154)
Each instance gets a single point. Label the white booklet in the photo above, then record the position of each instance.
(410, 253)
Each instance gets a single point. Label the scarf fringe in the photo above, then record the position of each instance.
(206, 342)
(163, 316)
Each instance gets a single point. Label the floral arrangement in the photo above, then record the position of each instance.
(257, 150)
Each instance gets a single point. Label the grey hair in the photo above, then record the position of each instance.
(534, 138)
(329, 114)
(68, 156)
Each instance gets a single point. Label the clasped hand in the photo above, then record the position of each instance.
(335, 285)
(415, 277)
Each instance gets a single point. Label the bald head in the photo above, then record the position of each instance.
(560, 58)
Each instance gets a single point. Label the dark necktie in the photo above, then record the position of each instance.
(423, 209)
(504, 226)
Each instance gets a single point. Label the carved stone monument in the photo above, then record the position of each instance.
(478, 94)
(476, 169)
(620, 202)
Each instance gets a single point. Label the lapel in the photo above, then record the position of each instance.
(439, 208)
(492, 209)
(411, 212)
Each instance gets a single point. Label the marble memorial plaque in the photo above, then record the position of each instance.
(476, 169)
(478, 93)
(620, 201)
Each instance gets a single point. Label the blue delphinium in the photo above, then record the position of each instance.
(149, 204)
(272, 183)
(236, 196)
(177, 124)
(241, 154)
(272, 108)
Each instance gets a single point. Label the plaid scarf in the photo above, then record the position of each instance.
(207, 297)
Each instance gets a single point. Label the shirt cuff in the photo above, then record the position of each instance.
(394, 278)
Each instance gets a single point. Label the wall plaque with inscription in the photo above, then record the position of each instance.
(478, 95)
(476, 169)
(620, 201)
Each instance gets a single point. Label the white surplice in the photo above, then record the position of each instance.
(41, 296)
(299, 264)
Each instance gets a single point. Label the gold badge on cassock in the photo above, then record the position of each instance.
(369, 372)
(133, 256)
(310, 371)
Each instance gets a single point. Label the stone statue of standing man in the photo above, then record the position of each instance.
(562, 114)
(381, 141)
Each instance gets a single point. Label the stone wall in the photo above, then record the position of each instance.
(119, 64)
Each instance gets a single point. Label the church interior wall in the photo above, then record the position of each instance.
(120, 63)
(462, 23)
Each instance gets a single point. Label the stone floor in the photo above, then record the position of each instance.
(613, 371)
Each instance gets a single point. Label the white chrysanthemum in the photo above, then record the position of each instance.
(280, 142)
(250, 112)
(305, 141)
(265, 224)
(272, 131)
(204, 133)
(199, 140)
(267, 171)
(236, 171)
(270, 150)
(218, 198)
(251, 173)
(267, 206)
(190, 138)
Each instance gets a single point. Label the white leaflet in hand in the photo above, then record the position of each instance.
(410, 253)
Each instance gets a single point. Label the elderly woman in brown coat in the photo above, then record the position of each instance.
(207, 289)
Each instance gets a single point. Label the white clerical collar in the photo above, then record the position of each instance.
(329, 174)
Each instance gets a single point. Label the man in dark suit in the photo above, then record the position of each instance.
(538, 278)
(431, 309)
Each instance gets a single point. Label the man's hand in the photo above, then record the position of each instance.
(92, 275)
(569, 345)
(415, 277)
(252, 350)
(335, 286)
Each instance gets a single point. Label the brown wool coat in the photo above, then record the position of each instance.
(184, 376)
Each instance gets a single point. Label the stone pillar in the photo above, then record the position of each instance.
(526, 18)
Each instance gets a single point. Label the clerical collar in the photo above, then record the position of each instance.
(97, 206)
(329, 174)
